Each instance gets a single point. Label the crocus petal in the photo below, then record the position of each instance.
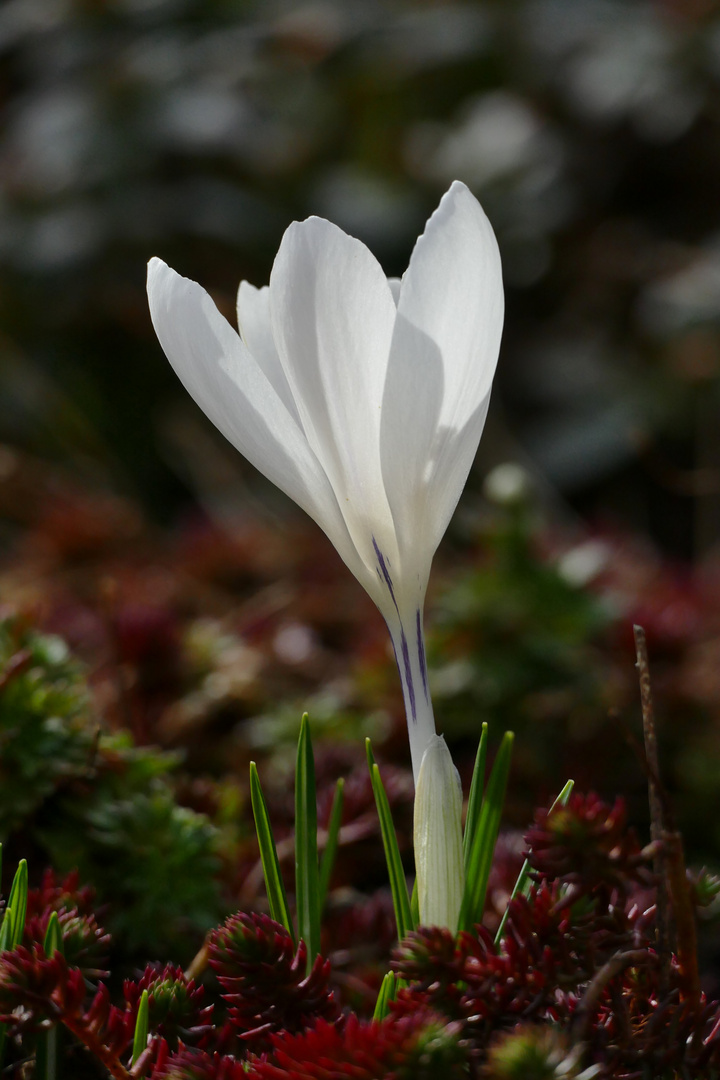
(333, 315)
(253, 313)
(443, 358)
(230, 387)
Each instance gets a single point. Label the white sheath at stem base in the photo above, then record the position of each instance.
(438, 837)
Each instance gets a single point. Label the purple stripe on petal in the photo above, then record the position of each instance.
(421, 654)
(408, 673)
(385, 571)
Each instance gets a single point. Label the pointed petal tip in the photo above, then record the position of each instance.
(460, 195)
(160, 276)
(155, 264)
(459, 185)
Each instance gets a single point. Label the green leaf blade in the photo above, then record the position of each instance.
(521, 885)
(396, 873)
(477, 788)
(6, 930)
(17, 901)
(485, 838)
(142, 1025)
(53, 941)
(386, 994)
(415, 905)
(47, 1054)
(307, 879)
(13, 924)
(274, 885)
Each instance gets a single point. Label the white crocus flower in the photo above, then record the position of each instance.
(361, 398)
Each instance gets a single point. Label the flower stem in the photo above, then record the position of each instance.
(409, 646)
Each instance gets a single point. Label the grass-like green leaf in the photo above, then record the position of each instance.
(47, 1054)
(2, 947)
(6, 930)
(48, 1050)
(53, 941)
(523, 880)
(17, 900)
(485, 838)
(268, 855)
(369, 755)
(415, 904)
(477, 787)
(398, 884)
(386, 994)
(331, 844)
(307, 878)
(141, 1027)
(5, 934)
(13, 924)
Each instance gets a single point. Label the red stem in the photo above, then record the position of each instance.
(95, 1046)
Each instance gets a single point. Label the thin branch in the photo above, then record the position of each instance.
(684, 912)
(590, 999)
(199, 962)
(96, 1047)
(658, 817)
(670, 861)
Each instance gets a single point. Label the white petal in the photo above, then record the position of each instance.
(229, 386)
(333, 316)
(442, 362)
(253, 314)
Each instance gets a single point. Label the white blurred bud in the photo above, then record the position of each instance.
(507, 484)
(438, 837)
(583, 563)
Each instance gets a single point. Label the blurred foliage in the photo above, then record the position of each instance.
(197, 129)
(512, 638)
(95, 802)
(210, 642)
(154, 860)
(536, 635)
(46, 739)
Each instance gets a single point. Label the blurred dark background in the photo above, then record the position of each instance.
(197, 129)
